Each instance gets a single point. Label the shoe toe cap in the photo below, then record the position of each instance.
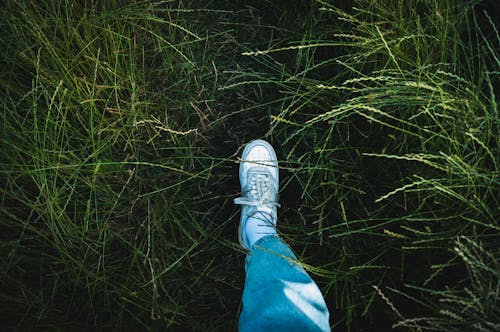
(258, 153)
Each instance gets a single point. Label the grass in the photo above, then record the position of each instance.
(121, 127)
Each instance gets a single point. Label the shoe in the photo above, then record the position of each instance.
(259, 179)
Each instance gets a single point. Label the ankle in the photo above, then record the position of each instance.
(259, 225)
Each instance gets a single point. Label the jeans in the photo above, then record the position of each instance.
(279, 295)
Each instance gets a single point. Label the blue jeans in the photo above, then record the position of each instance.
(279, 295)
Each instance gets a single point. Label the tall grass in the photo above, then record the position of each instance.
(103, 215)
(121, 123)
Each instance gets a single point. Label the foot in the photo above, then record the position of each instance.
(259, 179)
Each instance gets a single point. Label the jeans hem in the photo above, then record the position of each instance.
(263, 240)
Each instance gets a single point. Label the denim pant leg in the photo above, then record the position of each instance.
(279, 295)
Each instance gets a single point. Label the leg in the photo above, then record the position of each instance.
(279, 295)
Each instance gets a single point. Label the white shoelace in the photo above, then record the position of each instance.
(260, 192)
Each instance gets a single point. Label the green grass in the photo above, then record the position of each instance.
(121, 128)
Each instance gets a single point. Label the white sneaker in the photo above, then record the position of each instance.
(259, 179)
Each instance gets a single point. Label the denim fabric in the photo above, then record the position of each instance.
(279, 295)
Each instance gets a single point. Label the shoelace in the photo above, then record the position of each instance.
(261, 192)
